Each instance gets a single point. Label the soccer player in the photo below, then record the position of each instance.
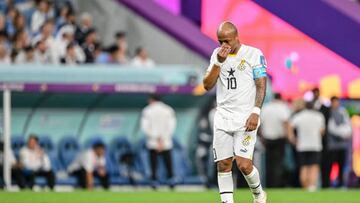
(239, 72)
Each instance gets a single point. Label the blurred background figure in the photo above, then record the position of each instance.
(42, 54)
(339, 137)
(26, 56)
(89, 45)
(310, 126)
(203, 150)
(275, 116)
(16, 174)
(323, 108)
(35, 162)
(86, 24)
(70, 57)
(4, 55)
(142, 59)
(158, 122)
(122, 44)
(44, 11)
(90, 164)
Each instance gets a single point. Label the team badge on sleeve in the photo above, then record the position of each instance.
(260, 70)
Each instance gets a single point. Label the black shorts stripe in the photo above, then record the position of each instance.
(225, 193)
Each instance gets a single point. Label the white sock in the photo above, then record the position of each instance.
(253, 180)
(226, 187)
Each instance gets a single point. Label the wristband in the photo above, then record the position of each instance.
(218, 63)
(256, 110)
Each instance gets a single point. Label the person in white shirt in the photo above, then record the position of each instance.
(239, 73)
(35, 162)
(142, 59)
(274, 120)
(158, 122)
(89, 164)
(43, 12)
(310, 126)
(46, 34)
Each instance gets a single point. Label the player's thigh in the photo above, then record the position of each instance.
(244, 144)
(223, 143)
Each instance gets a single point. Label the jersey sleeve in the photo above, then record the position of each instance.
(259, 66)
(212, 60)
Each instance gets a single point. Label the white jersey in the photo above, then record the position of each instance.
(235, 88)
(308, 124)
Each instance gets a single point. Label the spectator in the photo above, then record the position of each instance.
(112, 56)
(15, 168)
(274, 117)
(46, 34)
(64, 37)
(122, 44)
(158, 122)
(42, 54)
(4, 55)
(339, 136)
(86, 24)
(142, 59)
(64, 11)
(310, 125)
(21, 40)
(20, 23)
(35, 162)
(3, 24)
(89, 164)
(89, 46)
(43, 13)
(26, 56)
(11, 14)
(4, 40)
(70, 57)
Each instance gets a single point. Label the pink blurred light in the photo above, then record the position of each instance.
(279, 40)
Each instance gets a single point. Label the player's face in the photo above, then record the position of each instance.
(228, 39)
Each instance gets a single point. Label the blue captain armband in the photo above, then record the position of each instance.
(259, 72)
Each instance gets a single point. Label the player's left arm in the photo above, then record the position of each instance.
(259, 73)
(260, 84)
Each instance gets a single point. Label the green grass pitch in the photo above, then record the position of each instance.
(211, 196)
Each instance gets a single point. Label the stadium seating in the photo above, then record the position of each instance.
(68, 148)
(17, 142)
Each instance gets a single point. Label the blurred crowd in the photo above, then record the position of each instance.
(319, 135)
(52, 32)
(306, 143)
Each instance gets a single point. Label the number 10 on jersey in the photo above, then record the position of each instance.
(231, 83)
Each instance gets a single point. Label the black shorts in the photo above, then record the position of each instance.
(309, 158)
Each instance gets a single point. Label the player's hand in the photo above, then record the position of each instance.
(252, 122)
(224, 51)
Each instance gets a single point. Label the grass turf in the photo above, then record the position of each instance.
(274, 196)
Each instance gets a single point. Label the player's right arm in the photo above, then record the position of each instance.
(213, 72)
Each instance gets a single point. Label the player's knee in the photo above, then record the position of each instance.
(245, 167)
(224, 165)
